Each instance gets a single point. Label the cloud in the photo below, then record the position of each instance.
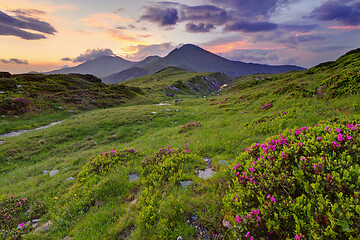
(139, 52)
(14, 61)
(90, 54)
(170, 13)
(254, 9)
(163, 17)
(320, 49)
(249, 27)
(339, 11)
(303, 28)
(104, 20)
(201, 27)
(22, 21)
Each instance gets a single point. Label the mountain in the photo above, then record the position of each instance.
(100, 67)
(188, 57)
(194, 58)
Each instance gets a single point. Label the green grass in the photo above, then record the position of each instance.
(253, 109)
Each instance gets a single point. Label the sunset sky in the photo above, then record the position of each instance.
(44, 35)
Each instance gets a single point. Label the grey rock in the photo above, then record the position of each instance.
(70, 178)
(53, 172)
(185, 183)
(45, 172)
(168, 110)
(207, 173)
(35, 221)
(227, 224)
(133, 177)
(45, 227)
(207, 160)
(2, 142)
(223, 162)
(179, 238)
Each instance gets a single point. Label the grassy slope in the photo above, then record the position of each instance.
(230, 122)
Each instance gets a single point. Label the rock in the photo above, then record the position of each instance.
(207, 173)
(133, 201)
(185, 183)
(70, 178)
(207, 160)
(45, 227)
(67, 238)
(223, 162)
(35, 221)
(154, 112)
(2, 142)
(45, 172)
(227, 224)
(194, 218)
(168, 110)
(133, 177)
(179, 238)
(53, 172)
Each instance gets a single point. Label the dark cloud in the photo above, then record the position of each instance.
(23, 20)
(90, 54)
(28, 12)
(204, 13)
(252, 9)
(201, 27)
(303, 28)
(321, 49)
(248, 27)
(164, 17)
(14, 61)
(339, 11)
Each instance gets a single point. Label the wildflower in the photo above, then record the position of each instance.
(349, 137)
(237, 218)
(187, 151)
(21, 225)
(340, 137)
(251, 238)
(315, 166)
(272, 199)
(168, 146)
(258, 218)
(56, 198)
(18, 204)
(319, 138)
(284, 112)
(250, 215)
(24, 199)
(12, 196)
(338, 130)
(252, 169)
(247, 234)
(297, 237)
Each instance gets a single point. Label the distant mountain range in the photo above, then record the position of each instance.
(189, 57)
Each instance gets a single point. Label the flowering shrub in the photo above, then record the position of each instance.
(15, 105)
(189, 126)
(162, 171)
(221, 102)
(104, 161)
(14, 211)
(267, 106)
(302, 184)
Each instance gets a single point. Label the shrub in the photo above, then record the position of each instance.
(302, 184)
(15, 105)
(7, 84)
(189, 126)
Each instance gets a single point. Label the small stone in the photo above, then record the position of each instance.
(2, 142)
(194, 218)
(179, 238)
(154, 112)
(35, 221)
(53, 172)
(70, 178)
(45, 227)
(133, 201)
(168, 110)
(223, 162)
(227, 224)
(207, 160)
(45, 172)
(133, 177)
(185, 183)
(207, 173)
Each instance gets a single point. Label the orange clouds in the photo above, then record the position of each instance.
(45, 6)
(228, 47)
(346, 27)
(104, 20)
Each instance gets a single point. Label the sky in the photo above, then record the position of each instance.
(44, 35)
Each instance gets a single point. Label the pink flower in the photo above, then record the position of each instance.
(258, 218)
(21, 225)
(247, 234)
(349, 137)
(315, 166)
(338, 130)
(272, 199)
(250, 215)
(284, 112)
(319, 138)
(251, 238)
(297, 237)
(12, 196)
(340, 137)
(237, 218)
(168, 146)
(18, 204)
(24, 199)
(187, 151)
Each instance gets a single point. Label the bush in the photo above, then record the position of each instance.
(302, 184)
(14, 105)
(7, 84)
(189, 126)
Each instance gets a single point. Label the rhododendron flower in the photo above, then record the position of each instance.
(349, 137)
(258, 218)
(338, 130)
(18, 204)
(319, 138)
(340, 137)
(297, 237)
(251, 238)
(237, 218)
(24, 199)
(247, 234)
(12, 196)
(21, 225)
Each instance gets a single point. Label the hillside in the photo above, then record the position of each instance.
(29, 95)
(188, 57)
(275, 156)
(173, 80)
